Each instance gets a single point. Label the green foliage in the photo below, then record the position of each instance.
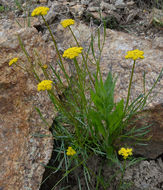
(2, 8)
(105, 117)
(89, 119)
(25, 10)
(18, 5)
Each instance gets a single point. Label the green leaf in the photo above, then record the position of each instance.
(115, 118)
(96, 121)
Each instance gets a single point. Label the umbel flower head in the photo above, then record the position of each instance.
(14, 60)
(40, 11)
(70, 151)
(67, 22)
(45, 66)
(45, 85)
(73, 52)
(125, 152)
(135, 54)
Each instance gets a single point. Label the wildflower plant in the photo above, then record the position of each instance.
(40, 11)
(125, 152)
(73, 52)
(12, 61)
(70, 151)
(45, 85)
(88, 119)
(67, 22)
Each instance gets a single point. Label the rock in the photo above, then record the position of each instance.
(157, 17)
(130, 3)
(145, 175)
(93, 9)
(152, 117)
(132, 14)
(115, 48)
(50, 17)
(107, 6)
(26, 143)
(158, 43)
(120, 4)
(43, 1)
(77, 10)
(85, 2)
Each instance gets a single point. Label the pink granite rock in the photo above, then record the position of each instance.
(23, 154)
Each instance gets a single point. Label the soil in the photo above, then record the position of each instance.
(145, 175)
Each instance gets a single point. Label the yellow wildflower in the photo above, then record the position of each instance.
(45, 66)
(125, 152)
(45, 85)
(135, 54)
(70, 151)
(14, 60)
(72, 52)
(40, 11)
(67, 22)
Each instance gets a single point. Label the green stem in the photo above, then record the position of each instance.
(56, 47)
(85, 62)
(41, 65)
(129, 88)
(123, 171)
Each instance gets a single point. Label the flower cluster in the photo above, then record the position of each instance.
(72, 52)
(14, 60)
(70, 151)
(40, 11)
(45, 85)
(67, 22)
(125, 152)
(135, 54)
(45, 66)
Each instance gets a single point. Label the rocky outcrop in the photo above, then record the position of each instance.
(25, 143)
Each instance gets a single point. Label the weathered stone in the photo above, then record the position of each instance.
(50, 17)
(145, 175)
(77, 10)
(43, 1)
(107, 6)
(158, 43)
(120, 4)
(132, 14)
(130, 3)
(85, 2)
(153, 117)
(115, 48)
(157, 17)
(93, 9)
(25, 143)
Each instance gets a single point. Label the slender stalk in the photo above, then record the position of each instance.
(129, 88)
(24, 50)
(56, 47)
(85, 62)
(41, 66)
(123, 171)
(28, 57)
